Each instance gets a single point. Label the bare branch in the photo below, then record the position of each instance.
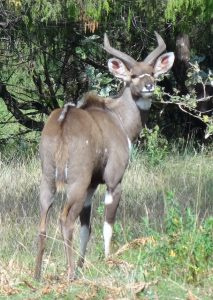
(189, 113)
(49, 84)
(12, 106)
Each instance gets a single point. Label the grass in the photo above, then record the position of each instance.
(162, 242)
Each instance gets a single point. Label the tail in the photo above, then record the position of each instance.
(61, 163)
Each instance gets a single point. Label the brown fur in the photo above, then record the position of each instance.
(61, 159)
(141, 68)
(91, 99)
(88, 146)
(92, 141)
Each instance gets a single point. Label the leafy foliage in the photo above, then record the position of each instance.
(197, 10)
(51, 51)
(188, 245)
(163, 252)
(155, 145)
(189, 103)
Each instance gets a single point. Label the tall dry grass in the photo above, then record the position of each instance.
(189, 178)
(145, 190)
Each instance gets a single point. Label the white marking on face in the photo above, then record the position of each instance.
(87, 142)
(84, 238)
(146, 90)
(107, 232)
(143, 75)
(56, 173)
(108, 199)
(105, 150)
(144, 104)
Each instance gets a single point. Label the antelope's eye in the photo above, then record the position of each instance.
(134, 76)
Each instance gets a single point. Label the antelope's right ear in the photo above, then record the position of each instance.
(164, 63)
(118, 69)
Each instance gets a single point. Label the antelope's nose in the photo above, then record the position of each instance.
(149, 86)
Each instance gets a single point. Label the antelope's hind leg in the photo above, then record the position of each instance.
(72, 209)
(85, 229)
(47, 191)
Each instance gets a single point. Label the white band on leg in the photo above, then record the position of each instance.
(107, 231)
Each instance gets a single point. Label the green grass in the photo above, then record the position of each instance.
(162, 242)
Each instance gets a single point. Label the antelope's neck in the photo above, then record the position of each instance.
(144, 105)
(129, 114)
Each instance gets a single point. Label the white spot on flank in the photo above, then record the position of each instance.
(84, 238)
(107, 231)
(108, 199)
(66, 172)
(129, 144)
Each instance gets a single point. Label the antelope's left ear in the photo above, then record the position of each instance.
(163, 63)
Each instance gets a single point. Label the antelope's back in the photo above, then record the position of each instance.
(77, 137)
(85, 142)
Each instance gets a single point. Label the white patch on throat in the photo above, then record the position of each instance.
(107, 231)
(144, 104)
(108, 199)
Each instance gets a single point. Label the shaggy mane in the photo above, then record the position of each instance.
(91, 99)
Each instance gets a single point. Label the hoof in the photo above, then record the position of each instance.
(72, 277)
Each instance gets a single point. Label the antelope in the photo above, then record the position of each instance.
(82, 147)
